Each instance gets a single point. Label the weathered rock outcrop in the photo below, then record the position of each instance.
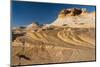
(72, 12)
(75, 17)
(33, 26)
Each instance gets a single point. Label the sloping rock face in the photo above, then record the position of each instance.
(58, 42)
(75, 17)
(34, 26)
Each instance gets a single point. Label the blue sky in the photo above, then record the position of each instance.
(24, 13)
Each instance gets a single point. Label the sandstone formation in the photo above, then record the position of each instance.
(75, 17)
(33, 26)
(70, 38)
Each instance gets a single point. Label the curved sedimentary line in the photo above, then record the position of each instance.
(89, 41)
(77, 39)
(36, 36)
(83, 40)
(55, 40)
(65, 38)
(39, 35)
(33, 36)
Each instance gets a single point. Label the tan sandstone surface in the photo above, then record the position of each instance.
(70, 38)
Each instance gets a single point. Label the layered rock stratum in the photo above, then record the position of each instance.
(70, 38)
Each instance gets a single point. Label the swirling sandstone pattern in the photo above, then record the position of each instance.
(56, 44)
